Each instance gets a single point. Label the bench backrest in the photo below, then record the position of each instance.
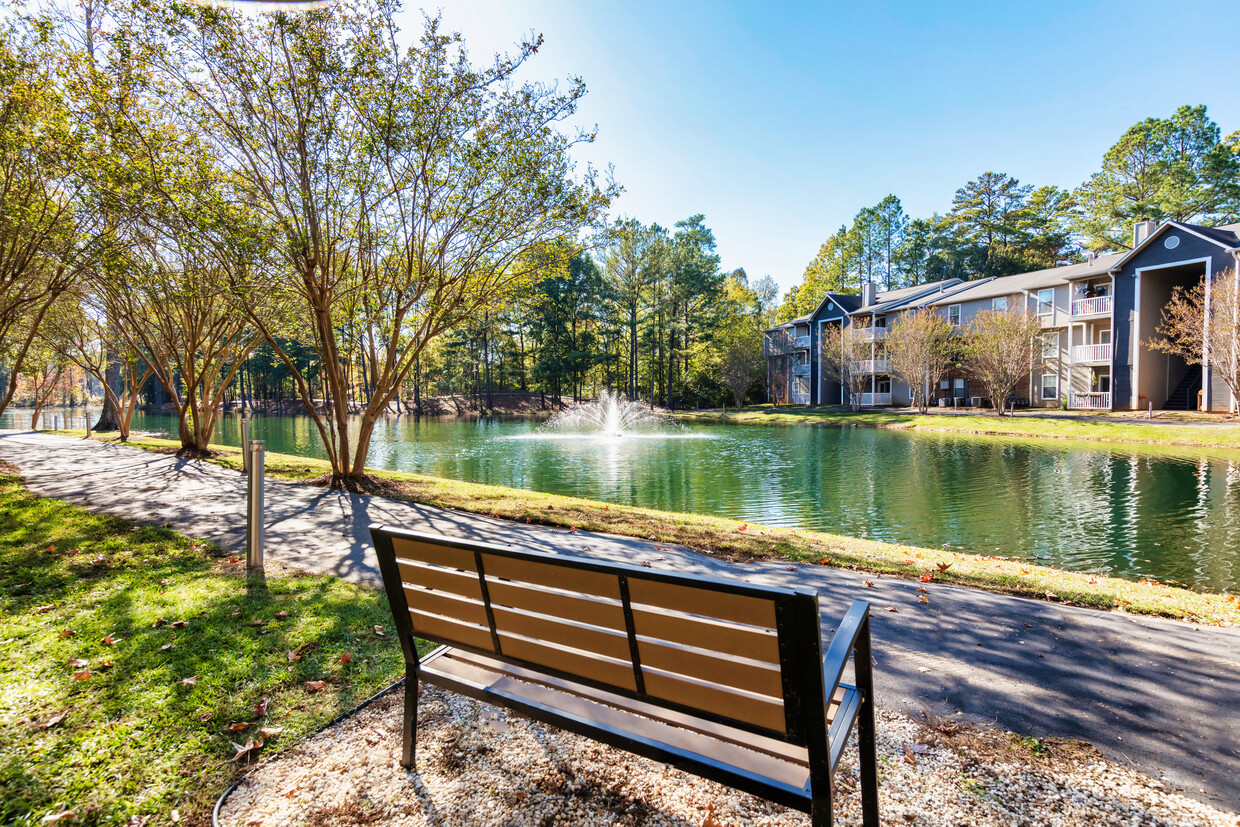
(732, 652)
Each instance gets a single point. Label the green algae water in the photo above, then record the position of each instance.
(1172, 515)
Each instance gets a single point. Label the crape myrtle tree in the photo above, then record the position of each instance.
(1000, 348)
(842, 349)
(1192, 325)
(47, 234)
(83, 335)
(405, 184)
(920, 347)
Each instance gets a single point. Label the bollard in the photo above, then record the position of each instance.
(245, 444)
(254, 511)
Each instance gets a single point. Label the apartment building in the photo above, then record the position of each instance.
(1098, 319)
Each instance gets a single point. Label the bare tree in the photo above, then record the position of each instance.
(1000, 349)
(920, 347)
(841, 351)
(1194, 326)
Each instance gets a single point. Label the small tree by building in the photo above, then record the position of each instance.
(841, 351)
(1000, 349)
(1192, 326)
(920, 348)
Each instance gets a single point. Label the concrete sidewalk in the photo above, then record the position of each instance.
(1156, 694)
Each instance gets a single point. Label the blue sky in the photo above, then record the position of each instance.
(779, 121)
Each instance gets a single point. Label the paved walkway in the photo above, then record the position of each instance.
(1160, 695)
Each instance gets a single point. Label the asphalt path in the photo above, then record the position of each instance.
(1159, 695)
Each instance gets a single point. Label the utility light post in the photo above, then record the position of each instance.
(254, 510)
(245, 443)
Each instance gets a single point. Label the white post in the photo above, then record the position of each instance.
(254, 511)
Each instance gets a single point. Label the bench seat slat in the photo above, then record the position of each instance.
(567, 578)
(690, 599)
(416, 573)
(579, 607)
(446, 630)
(754, 709)
(759, 743)
(608, 642)
(774, 778)
(707, 633)
(571, 661)
(716, 668)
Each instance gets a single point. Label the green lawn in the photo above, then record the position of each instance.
(1135, 431)
(140, 726)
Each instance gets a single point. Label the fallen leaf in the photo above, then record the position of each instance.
(163, 582)
(315, 686)
(180, 624)
(925, 598)
(892, 609)
(926, 578)
(239, 726)
(51, 549)
(280, 615)
(948, 728)
(909, 756)
(258, 623)
(270, 732)
(379, 631)
(234, 559)
(78, 663)
(869, 584)
(165, 647)
(44, 609)
(918, 749)
(104, 664)
(158, 622)
(51, 720)
(345, 658)
(296, 654)
(260, 708)
(52, 818)
(190, 681)
(943, 566)
(68, 633)
(206, 716)
(109, 640)
(922, 590)
(250, 746)
(81, 676)
(710, 820)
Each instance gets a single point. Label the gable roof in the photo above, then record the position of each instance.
(902, 297)
(1226, 236)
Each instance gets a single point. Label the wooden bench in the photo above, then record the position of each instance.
(725, 680)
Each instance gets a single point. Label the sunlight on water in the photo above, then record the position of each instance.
(1170, 515)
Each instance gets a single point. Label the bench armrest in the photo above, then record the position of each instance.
(853, 634)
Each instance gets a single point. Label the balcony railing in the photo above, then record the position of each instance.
(800, 370)
(1093, 401)
(874, 366)
(1091, 353)
(871, 334)
(800, 398)
(871, 399)
(801, 343)
(777, 347)
(1091, 307)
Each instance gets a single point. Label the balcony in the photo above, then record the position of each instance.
(874, 366)
(800, 398)
(777, 347)
(1093, 401)
(871, 334)
(1096, 306)
(1091, 353)
(801, 343)
(872, 399)
(800, 370)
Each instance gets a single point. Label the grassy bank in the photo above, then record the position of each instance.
(131, 657)
(744, 541)
(1088, 429)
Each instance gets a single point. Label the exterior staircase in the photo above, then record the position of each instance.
(1184, 397)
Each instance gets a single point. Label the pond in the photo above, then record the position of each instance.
(1169, 515)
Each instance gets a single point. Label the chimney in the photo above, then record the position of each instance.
(869, 293)
(1092, 256)
(1142, 231)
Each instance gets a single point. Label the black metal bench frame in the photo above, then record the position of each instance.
(821, 710)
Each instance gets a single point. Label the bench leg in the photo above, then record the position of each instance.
(820, 812)
(411, 717)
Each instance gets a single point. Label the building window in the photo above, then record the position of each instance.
(998, 303)
(1046, 301)
(1050, 345)
(1050, 386)
(960, 389)
(953, 315)
(882, 385)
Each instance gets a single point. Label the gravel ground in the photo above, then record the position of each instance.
(478, 765)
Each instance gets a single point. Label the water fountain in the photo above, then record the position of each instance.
(609, 416)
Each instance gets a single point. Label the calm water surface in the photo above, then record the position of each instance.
(1173, 516)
